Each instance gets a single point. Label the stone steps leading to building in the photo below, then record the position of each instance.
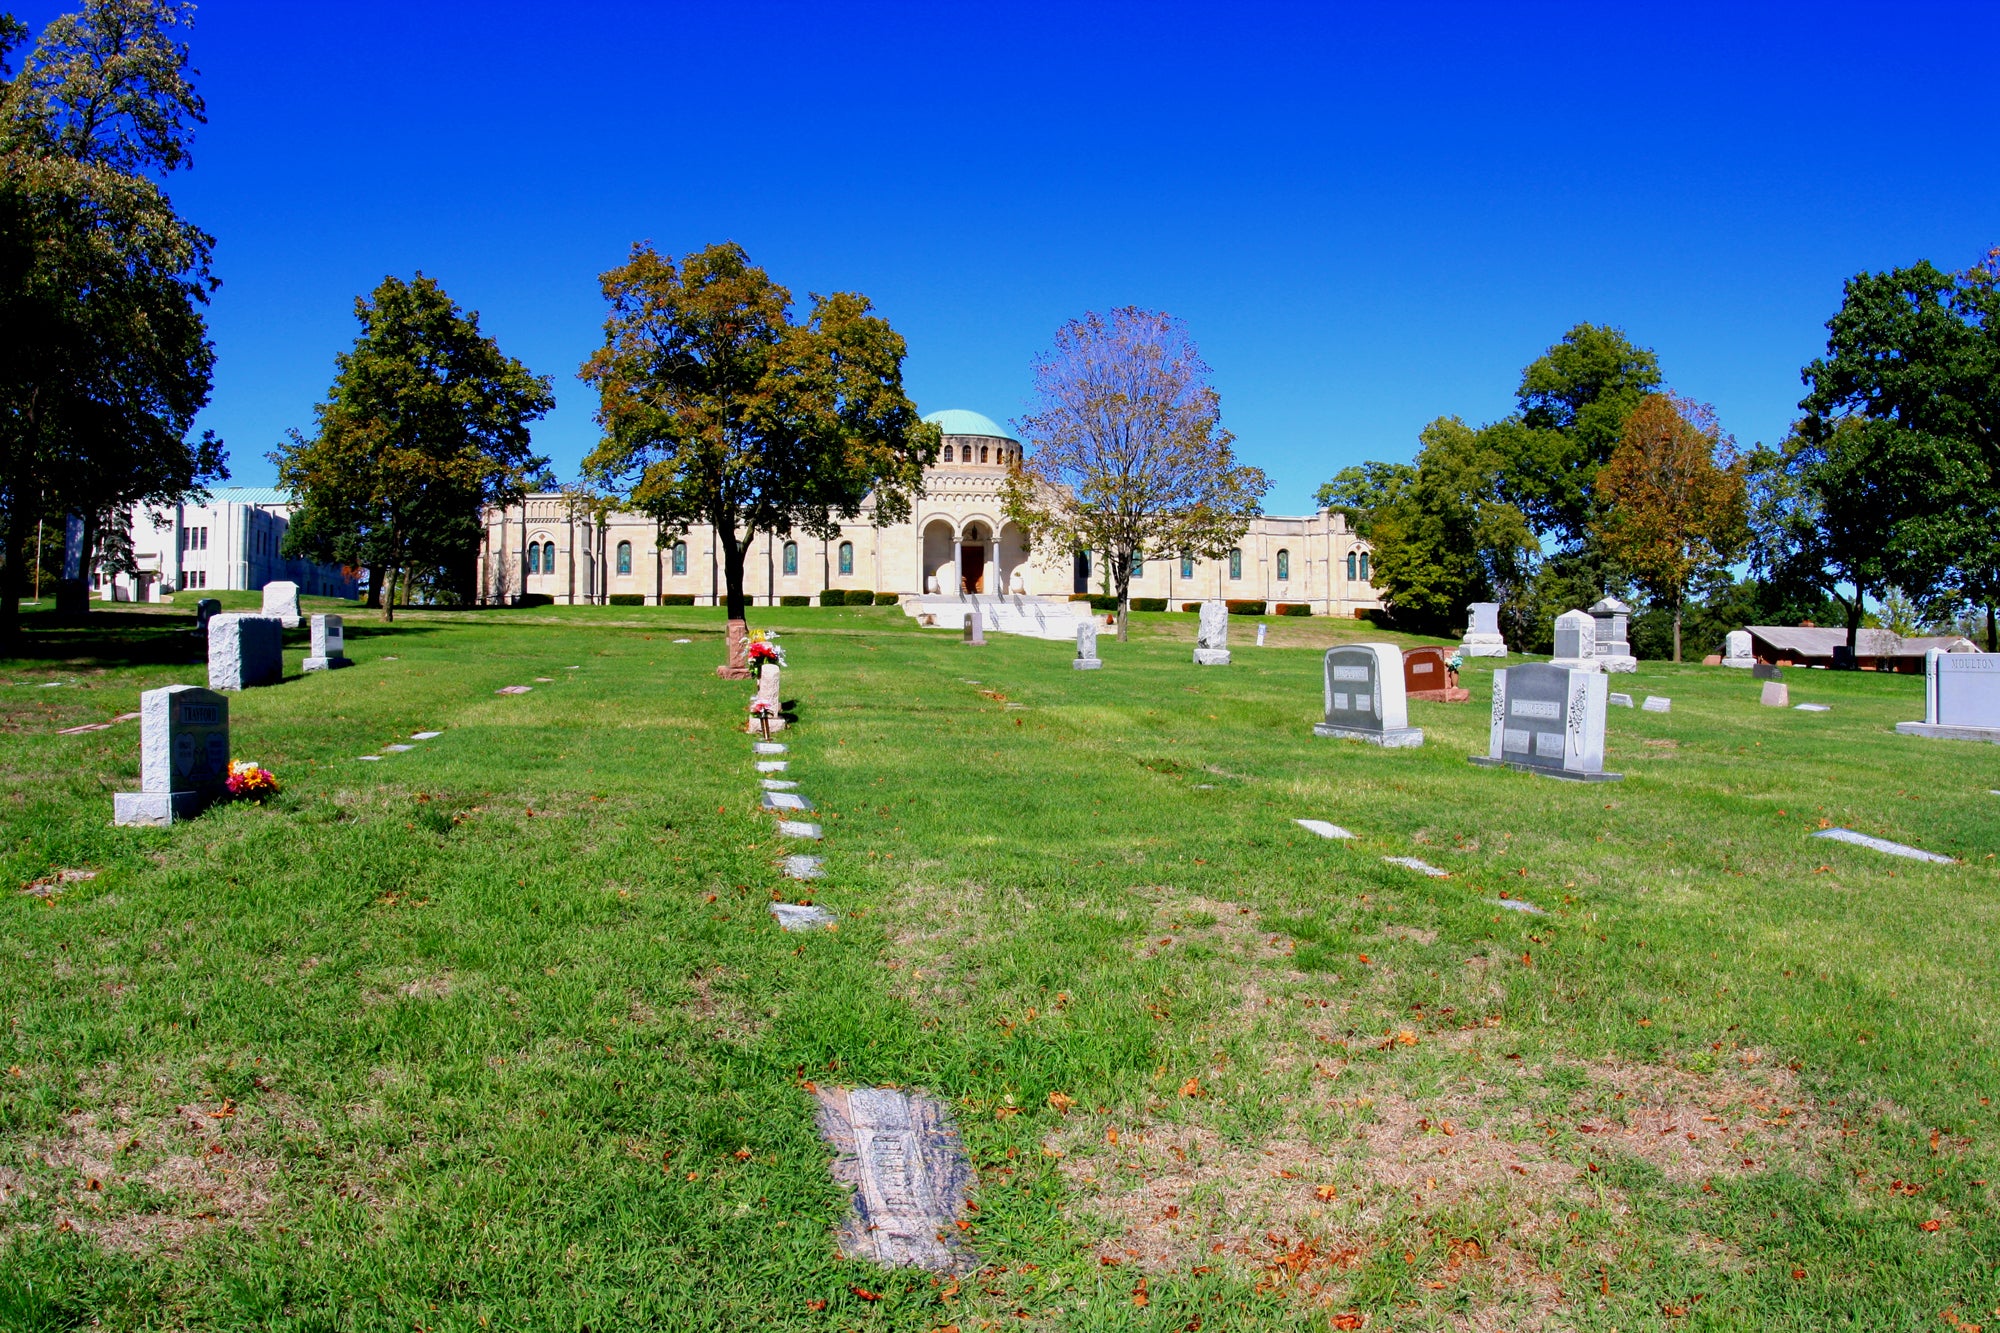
(1033, 617)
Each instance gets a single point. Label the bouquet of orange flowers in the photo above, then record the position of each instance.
(250, 782)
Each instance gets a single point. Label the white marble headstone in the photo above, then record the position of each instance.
(1549, 719)
(1961, 697)
(245, 651)
(1211, 642)
(183, 756)
(1086, 646)
(329, 644)
(281, 599)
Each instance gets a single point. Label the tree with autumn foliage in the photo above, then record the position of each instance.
(1671, 500)
(1127, 450)
(718, 407)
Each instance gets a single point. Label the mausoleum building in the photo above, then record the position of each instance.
(955, 541)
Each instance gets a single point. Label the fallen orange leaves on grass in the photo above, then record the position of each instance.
(1191, 1088)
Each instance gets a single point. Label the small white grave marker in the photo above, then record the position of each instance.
(1656, 703)
(1882, 845)
(1618, 700)
(1809, 708)
(801, 916)
(1421, 867)
(771, 765)
(1516, 905)
(183, 756)
(792, 828)
(786, 800)
(779, 784)
(1321, 827)
(805, 867)
(397, 749)
(329, 645)
(769, 747)
(514, 689)
(425, 735)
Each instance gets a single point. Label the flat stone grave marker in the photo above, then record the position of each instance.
(902, 1157)
(245, 651)
(1426, 675)
(1421, 867)
(1516, 905)
(425, 735)
(1617, 700)
(1657, 703)
(545, 680)
(183, 757)
(369, 758)
(1321, 827)
(1809, 708)
(281, 599)
(769, 747)
(805, 867)
(780, 784)
(1364, 696)
(1961, 698)
(1086, 646)
(786, 800)
(1211, 638)
(1549, 719)
(1776, 694)
(772, 766)
(397, 749)
(329, 645)
(1883, 845)
(793, 828)
(801, 916)
(514, 689)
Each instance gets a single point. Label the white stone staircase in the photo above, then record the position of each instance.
(1015, 613)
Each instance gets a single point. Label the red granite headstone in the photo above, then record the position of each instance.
(1425, 676)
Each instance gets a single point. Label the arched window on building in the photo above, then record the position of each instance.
(1364, 566)
(1284, 564)
(847, 557)
(624, 557)
(1187, 566)
(680, 557)
(1353, 567)
(947, 453)
(534, 557)
(982, 453)
(1236, 563)
(791, 557)
(1138, 564)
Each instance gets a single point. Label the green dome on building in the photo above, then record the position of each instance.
(958, 421)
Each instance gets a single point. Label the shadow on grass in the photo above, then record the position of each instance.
(111, 639)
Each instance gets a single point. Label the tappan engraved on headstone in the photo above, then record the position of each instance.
(1516, 905)
(1549, 719)
(1848, 835)
(1961, 698)
(1775, 694)
(802, 916)
(795, 828)
(1617, 700)
(1576, 641)
(1737, 650)
(1321, 827)
(1211, 640)
(183, 756)
(780, 784)
(769, 747)
(1427, 676)
(786, 800)
(281, 599)
(329, 644)
(1421, 867)
(772, 765)
(1086, 646)
(1657, 703)
(805, 867)
(244, 651)
(902, 1157)
(1364, 696)
(1482, 633)
(1612, 652)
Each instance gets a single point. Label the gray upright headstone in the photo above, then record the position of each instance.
(1961, 697)
(244, 651)
(183, 756)
(1364, 696)
(1261, 627)
(1549, 719)
(1736, 651)
(281, 599)
(975, 628)
(1576, 640)
(1613, 652)
(1086, 646)
(205, 610)
(1211, 643)
(329, 644)
(1482, 634)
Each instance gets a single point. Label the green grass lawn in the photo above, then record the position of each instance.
(498, 1033)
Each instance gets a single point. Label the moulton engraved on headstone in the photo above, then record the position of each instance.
(1549, 719)
(1086, 646)
(245, 651)
(329, 644)
(183, 756)
(1613, 653)
(1961, 697)
(1736, 650)
(1211, 641)
(1364, 696)
(902, 1157)
(1576, 641)
(281, 599)
(1482, 634)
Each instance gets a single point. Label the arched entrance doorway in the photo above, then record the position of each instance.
(975, 547)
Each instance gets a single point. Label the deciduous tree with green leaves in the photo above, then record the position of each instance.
(1357, 492)
(717, 406)
(1670, 500)
(426, 424)
(1127, 452)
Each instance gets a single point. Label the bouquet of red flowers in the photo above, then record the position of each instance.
(249, 782)
(763, 650)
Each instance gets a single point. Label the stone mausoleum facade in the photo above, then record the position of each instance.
(226, 537)
(955, 541)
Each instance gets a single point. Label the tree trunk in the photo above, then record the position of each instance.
(1677, 632)
(737, 667)
(1121, 575)
(1992, 645)
(1854, 613)
(10, 572)
(389, 601)
(375, 576)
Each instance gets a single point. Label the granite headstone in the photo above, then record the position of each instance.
(1482, 634)
(1086, 646)
(245, 651)
(1364, 696)
(183, 756)
(1426, 675)
(1576, 641)
(1736, 649)
(1549, 719)
(1613, 653)
(1211, 643)
(1961, 697)
(329, 644)
(281, 599)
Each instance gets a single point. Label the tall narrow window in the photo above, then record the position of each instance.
(624, 557)
(982, 453)
(791, 557)
(1187, 566)
(947, 453)
(1236, 563)
(1138, 564)
(847, 557)
(1364, 566)
(680, 557)
(1284, 565)
(534, 557)
(1353, 568)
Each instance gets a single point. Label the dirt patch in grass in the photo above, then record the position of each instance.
(717, 1011)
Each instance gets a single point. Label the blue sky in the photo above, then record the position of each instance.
(1369, 217)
